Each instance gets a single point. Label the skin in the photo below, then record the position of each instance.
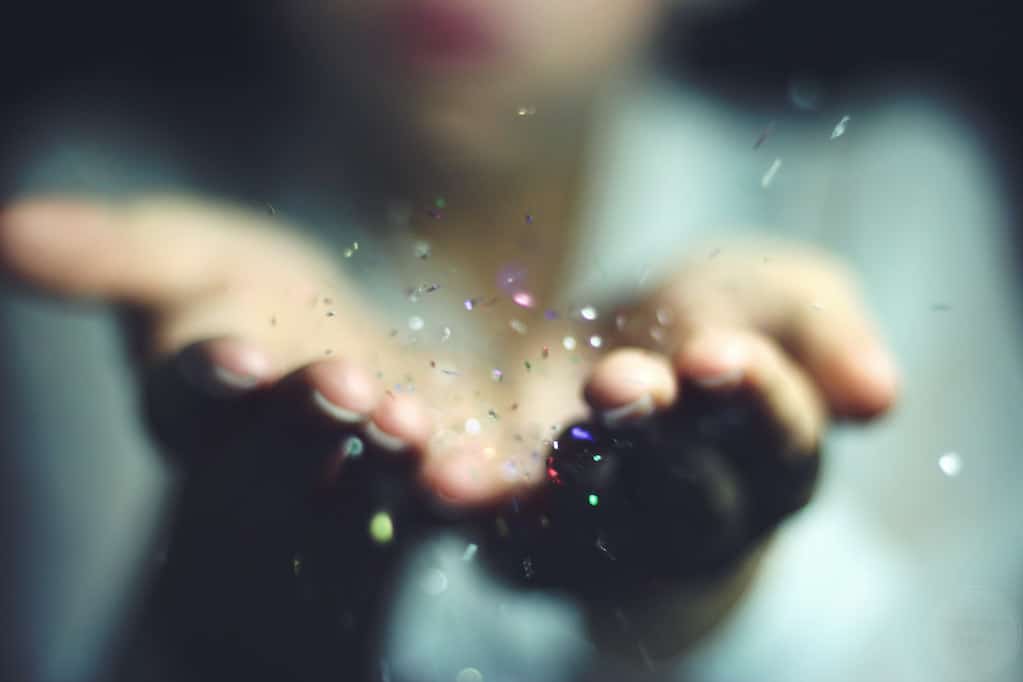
(229, 298)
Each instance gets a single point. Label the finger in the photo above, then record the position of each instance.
(806, 301)
(195, 399)
(148, 253)
(723, 360)
(630, 384)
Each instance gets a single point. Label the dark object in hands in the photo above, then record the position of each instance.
(681, 496)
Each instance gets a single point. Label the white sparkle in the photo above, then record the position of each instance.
(472, 426)
(589, 313)
(950, 464)
(518, 326)
(416, 323)
(768, 178)
(596, 341)
(839, 130)
(568, 342)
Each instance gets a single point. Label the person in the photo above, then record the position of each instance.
(487, 223)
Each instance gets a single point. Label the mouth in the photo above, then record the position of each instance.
(438, 34)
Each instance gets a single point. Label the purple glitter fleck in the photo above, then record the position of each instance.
(579, 433)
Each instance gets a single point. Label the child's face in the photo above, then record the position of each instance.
(465, 75)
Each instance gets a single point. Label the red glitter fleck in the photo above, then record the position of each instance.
(552, 474)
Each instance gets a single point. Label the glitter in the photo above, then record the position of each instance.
(528, 366)
(950, 464)
(469, 675)
(554, 443)
(596, 341)
(589, 313)
(434, 582)
(440, 203)
(348, 253)
(270, 209)
(620, 322)
(527, 567)
(445, 334)
(422, 250)
(664, 317)
(657, 334)
(579, 433)
(469, 303)
(551, 314)
(493, 415)
(496, 374)
(523, 298)
(519, 326)
(416, 323)
(839, 130)
(768, 178)
(296, 564)
(597, 457)
(545, 353)
(764, 134)
(526, 111)
(352, 446)
(470, 552)
(593, 499)
(472, 426)
(568, 342)
(529, 219)
(450, 372)
(381, 528)
(511, 278)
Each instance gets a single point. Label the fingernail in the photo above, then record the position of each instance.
(637, 409)
(382, 440)
(334, 411)
(213, 379)
(728, 378)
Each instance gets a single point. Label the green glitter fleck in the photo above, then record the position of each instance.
(440, 203)
(593, 500)
(597, 458)
(528, 366)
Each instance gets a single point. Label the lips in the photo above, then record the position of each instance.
(434, 32)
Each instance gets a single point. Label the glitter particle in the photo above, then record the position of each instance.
(526, 111)
(496, 374)
(470, 552)
(768, 178)
(568, 342)
(589, 313)
(596, 341)
(469, 675)
(597, 458)
(840, 127)
(518, 326)
(422, 250)
(593, 499)
(469, 303)
(416, 323)
(523, 298)
(551, 314)
(439, 202)
(579, 433)
(381, 528)
(472, 425)
(435, 582)
(445, 334)
(352, 446)
(950, 464)
(296, 564)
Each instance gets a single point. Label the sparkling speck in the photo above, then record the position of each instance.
(664, 317)
(950, 464)
(470, 552)
(840, 127)
(416, 323)
(439, 202)
(579, 433)
(296, 564)
(472, 426)
(435, 582)
(469, 303)
(551, 314)
(529, 219)
(496, 374)
(589, 313)
(526, 111)
(768, 178)
(593, 500)
(527, 567)
(445, 334)
(568, 342)
(518, 326)
(381, 528)
(352, 446)
(523, 298)
(596, 341)
(597, 457)
(469, 675)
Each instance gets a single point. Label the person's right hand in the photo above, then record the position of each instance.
(233, 313)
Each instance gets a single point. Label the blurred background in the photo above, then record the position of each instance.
(174, 59)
